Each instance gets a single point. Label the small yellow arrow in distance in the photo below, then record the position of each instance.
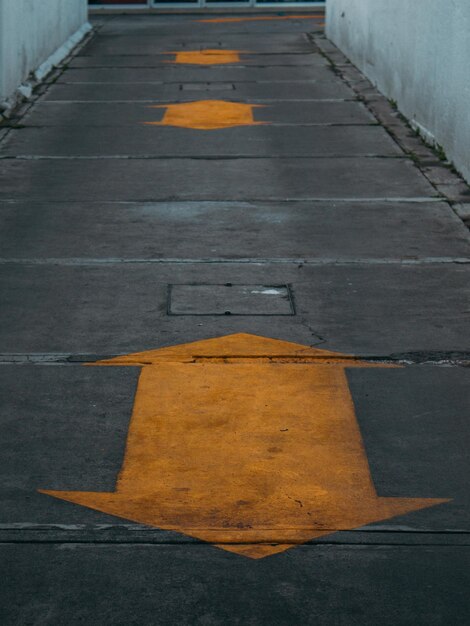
(264, 18)
(206, 57)
(249, 443)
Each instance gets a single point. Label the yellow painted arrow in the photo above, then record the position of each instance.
(248, 443)
(207, 114)
(261, 18)
(206, 57)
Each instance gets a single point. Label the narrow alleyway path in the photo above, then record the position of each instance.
(185, 178)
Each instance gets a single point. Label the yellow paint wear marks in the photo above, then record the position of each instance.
(254, 455)
(264, 18)
(207, 57)
(207, 115)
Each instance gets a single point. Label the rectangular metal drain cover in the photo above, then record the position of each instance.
(207, 45)
(207, 87)
(230, 299)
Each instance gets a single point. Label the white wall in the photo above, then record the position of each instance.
(30, 32)
(417, 52)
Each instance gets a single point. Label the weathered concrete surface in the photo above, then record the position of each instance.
(129, 584)
(144, 140)
(193, 23)
(266, 60)
(197, 179)
(277, 230)
(136, 44)
(103, 114)
(331, 89)
(415, 401)
(90, 306)
(98, 219)
(176, 73)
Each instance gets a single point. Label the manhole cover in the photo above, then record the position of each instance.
(230, 299)
(207, 87)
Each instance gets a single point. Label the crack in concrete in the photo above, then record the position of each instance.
(452, 358)
(193, 157)
(299, 261)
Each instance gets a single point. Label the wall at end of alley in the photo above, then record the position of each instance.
(30, 32)
(418, 54)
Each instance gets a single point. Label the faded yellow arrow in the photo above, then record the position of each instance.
(207, 114)
(206, 57)
(248, 443)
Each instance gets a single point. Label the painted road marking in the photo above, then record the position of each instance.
(207, 114)
(207, 57)
(264, 18)
(249, 443)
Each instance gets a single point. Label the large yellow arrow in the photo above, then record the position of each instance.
(249, 443)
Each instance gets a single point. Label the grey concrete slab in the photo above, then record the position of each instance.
(427, 450)
(135, 44)
(312, 230)
(312, 59)
(144, 140)
(143, 585)
(199, 25)
(223, 179)
(172, 73)
(82, 439)
(264, 25)
(174, 92)
(131, 113)
(112, 307)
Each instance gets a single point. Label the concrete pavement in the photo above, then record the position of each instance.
(295, 215)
